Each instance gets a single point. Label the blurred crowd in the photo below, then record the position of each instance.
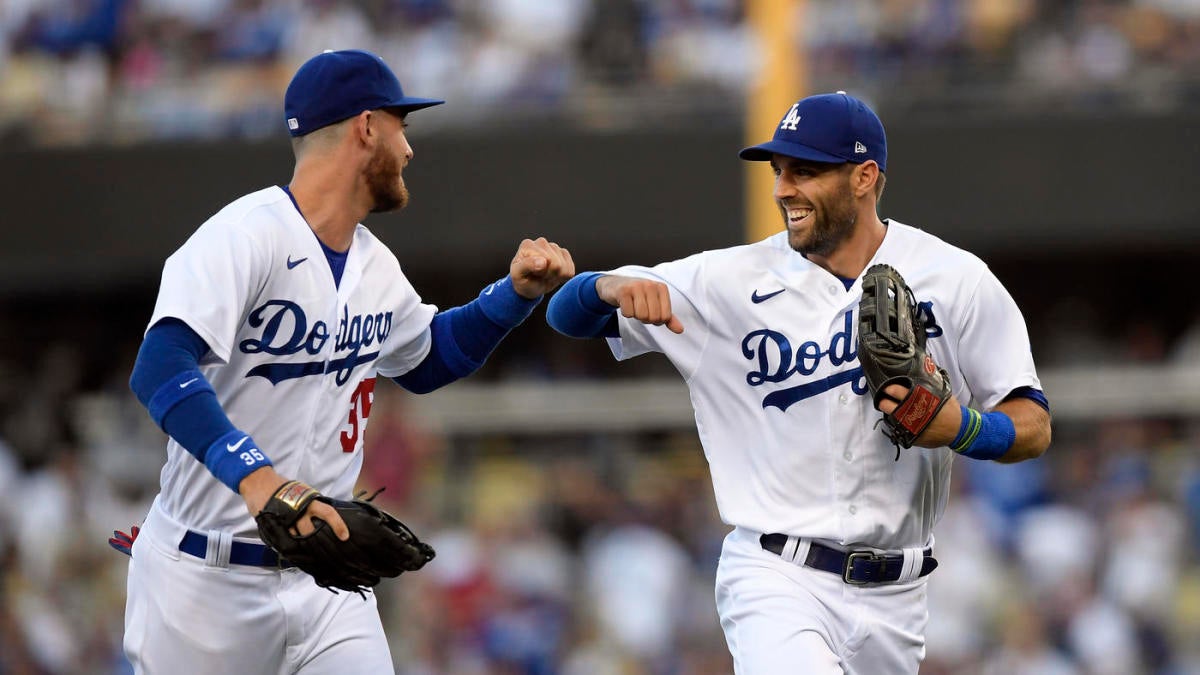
(594, 554)
(119, 71)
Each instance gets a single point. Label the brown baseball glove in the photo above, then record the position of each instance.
(891, 349)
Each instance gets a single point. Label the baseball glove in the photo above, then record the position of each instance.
(379, 545)
(891, 349)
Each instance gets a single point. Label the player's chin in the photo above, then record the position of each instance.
(391, 202)
(800, 239)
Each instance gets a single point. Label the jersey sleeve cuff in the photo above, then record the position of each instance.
(501, 303)
(589, 298)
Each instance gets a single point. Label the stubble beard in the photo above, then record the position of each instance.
(830, 227)
(388, 192)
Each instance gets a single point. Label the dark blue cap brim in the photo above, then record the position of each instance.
(763, 152)
(411, 103)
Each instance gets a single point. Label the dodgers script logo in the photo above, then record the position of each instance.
(777, 361)
(285, 331)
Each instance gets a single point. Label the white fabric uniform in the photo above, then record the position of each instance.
(293, 362)
(783, 411)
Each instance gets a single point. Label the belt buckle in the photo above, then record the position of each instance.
(869, 556)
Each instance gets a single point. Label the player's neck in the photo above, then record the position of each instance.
(332, 213)
(850, 258)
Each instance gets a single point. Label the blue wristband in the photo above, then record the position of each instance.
(234, 456)
(501, 303)
(188, 383)
(984, 435)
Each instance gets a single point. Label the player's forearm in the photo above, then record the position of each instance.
(167, 380)
(258, 486)
(1032, 425)
(577, 310)
(463, 337)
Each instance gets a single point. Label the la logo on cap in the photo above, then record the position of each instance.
(791, 119)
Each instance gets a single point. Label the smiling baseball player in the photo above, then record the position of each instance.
(272, 323)
(825, 569)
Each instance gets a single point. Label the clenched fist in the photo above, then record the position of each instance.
(642, 299)
(539, 267)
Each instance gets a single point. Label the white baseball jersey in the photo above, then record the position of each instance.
(293, 358)
(782, 408)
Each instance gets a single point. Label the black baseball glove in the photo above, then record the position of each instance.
(891, 349)
(379, 545)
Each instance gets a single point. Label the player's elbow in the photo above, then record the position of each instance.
(415, 385)
(1031, 444)
(141, 381)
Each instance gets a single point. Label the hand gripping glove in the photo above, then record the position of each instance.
(379, 545)
(891, 349)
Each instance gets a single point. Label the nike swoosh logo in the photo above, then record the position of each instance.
(233, 447)
(184, 385)
(292, 263)
(756, 298)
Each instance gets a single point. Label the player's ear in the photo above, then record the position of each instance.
(364, 128)
(864, 177)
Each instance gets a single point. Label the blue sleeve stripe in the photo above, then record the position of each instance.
(577, 310)
(1031, 393)
(968, 429)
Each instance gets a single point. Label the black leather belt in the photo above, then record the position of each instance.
(855, 567)
(240, 553)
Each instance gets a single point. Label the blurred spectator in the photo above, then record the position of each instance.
(329, 24)
(635, 580)
(968, 552)
(133, 65)
(1026, 649)
(1056, 546)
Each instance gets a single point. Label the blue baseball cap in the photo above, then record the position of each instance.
(333, 86)
(835, 128)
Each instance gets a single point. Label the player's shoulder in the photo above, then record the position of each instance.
(772, 252)
(924, 248)
(255, 213)
(697, 266)
(370, 247)
(764, 250)
(252, 206)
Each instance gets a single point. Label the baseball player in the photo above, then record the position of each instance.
(272, 324)
(825, 568)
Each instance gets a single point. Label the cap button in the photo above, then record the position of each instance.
(841, 92)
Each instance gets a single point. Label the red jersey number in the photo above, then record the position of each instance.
(360, 409)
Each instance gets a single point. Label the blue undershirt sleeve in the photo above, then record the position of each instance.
(167, 380)
(1035, 395)
(577, 310)
(463, 337)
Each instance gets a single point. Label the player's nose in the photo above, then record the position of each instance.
(784, 188)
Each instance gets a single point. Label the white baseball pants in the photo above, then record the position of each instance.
(782, 618)
(187, 615)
